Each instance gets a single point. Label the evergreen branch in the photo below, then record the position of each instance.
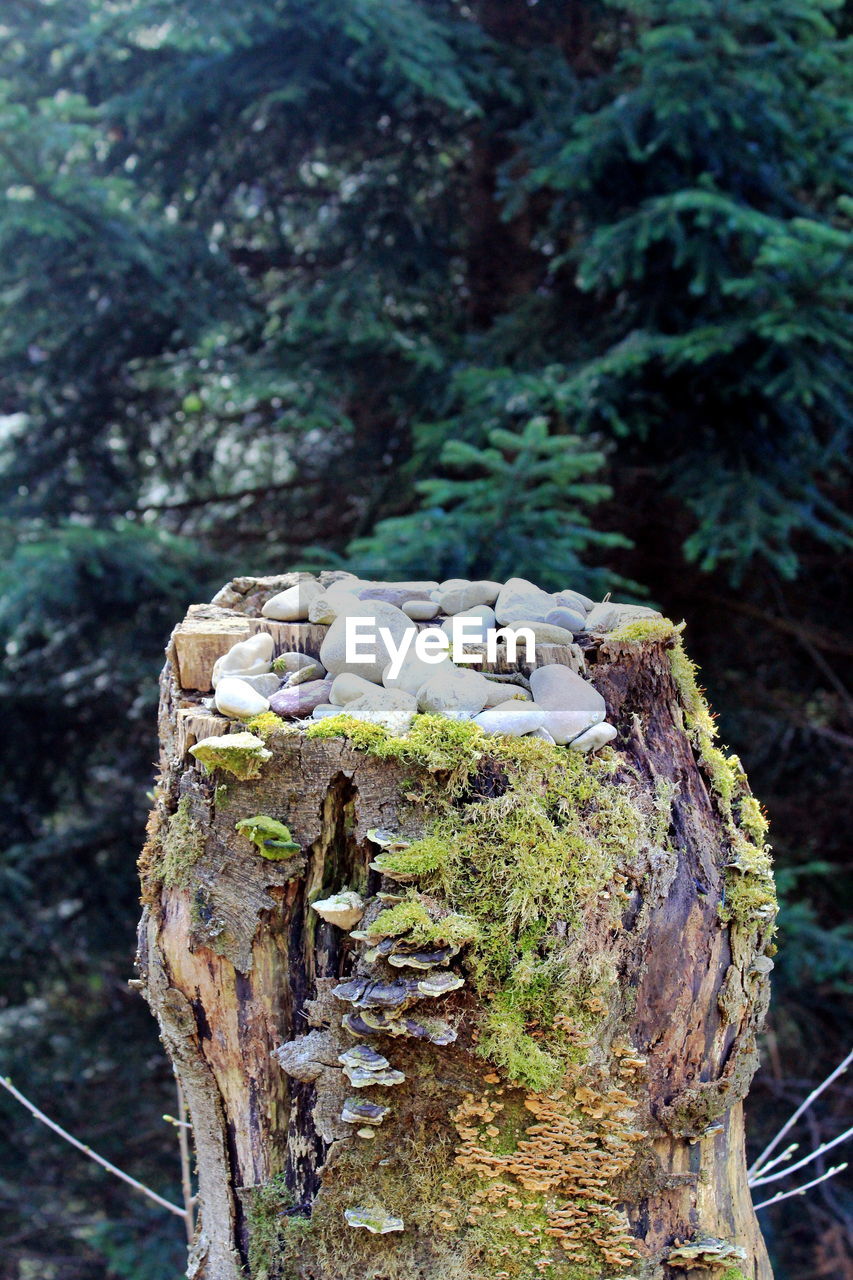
(44, 191)
(187, 504)
(87, 1151)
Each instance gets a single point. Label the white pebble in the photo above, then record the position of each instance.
(251, 657)
(236, 698)
(593, 738)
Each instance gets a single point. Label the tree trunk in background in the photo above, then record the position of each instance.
(633, 1165)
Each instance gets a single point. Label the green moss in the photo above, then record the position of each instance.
(411, 918)
(450, 747)
(266, 724)
(750, 896)
(646, 631)
(417, 1180)
(239, 753)
(523, 839)
(271, 837)
(524, 863)
(275, 1232)
(752, 819)
(426, 858)
(181, 847)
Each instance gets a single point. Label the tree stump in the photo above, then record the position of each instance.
(529, 1056)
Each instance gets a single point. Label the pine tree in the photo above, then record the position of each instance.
(290, 281)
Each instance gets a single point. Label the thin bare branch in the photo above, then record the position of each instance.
(93, 1155)
(186, 1168)
(798, 1191)
(771, 1164)
(813, 1155)
(756, 1166)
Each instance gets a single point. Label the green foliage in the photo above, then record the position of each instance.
(517, 504)
(411, 918)
(275, 1230)
(707, 173)
(407, 285)
(449, 747)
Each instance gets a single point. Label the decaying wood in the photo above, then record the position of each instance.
(238, 970)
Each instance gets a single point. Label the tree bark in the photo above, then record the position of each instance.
(631, 1165)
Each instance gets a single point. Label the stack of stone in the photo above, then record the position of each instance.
(555, 702)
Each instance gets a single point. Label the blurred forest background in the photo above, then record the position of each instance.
(418, 287)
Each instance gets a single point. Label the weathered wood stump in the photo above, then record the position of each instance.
(563, 961)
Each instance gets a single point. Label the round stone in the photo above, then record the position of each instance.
(333, 602)
(454, 693)
(325, 709)
(294, 604)
(573, 600)
(414, 672)
(299, 702)
(544, 735)
(522, 599)
(392, 595)
(506, 691)
(316, 671)
(333, 651)
(236, 698)
(391, 708)
(482, 614)
(543, 632)
(512, 718)
(265, 685)
(347, 687)
(568, 618)
(250, 657)
(462, 599)
(571, 702)
(420, 610)
(608, 616)
(592, 739)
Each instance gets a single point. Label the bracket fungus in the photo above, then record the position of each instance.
(344, 909)
(360, 1111)
(387, 839)
(375, 1220)
(360, 1078)
(439, 984)
(362, 993)
(355, 1024)
(239, 753)
(364, 1067)
(271, 838)
(705, 1253)
(384, 864)
(419, 959)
